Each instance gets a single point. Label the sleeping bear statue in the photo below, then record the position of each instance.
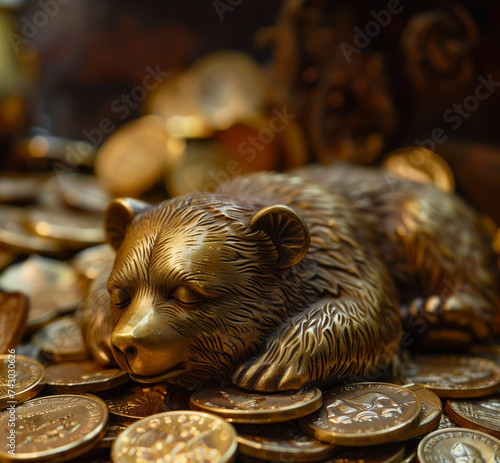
(280, 281)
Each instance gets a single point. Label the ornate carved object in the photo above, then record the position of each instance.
(281, 281)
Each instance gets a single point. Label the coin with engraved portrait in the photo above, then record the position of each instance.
(86, 376)
(177, 436)
(458, 445)
(420, 165)
(480, 414)
(54, 428)
(281, 441)
(385, 453)
(13, 314)
(239, 406)
(132, 402)
(21, 378)
(432, 410)
(364, 414)
(454, 376)
(61, 340)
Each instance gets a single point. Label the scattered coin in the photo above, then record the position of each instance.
(131, 160)
(386, 453)
(20, 187)
(480, 414)
(130, 403)
(446, 422)
(87, 376)
(17, 238)
(431, 411)
(454, 376)
(420, 165)
(458, 445)
(74, 230)
(177, 436)
(113, 432)
(21, 378)
(55, 428)
(364, 414)
(61, 340)
(281, 441)
(13, 314)
(239, 406)
(92, 261)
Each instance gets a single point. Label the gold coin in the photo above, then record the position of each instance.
(420, 165)
(457, 445)
(52, 286)
(432, 410)
(21, 378)
(281, 441)
(231, 87)
(130, 403)
(182, 436)
(239, 406)
(131, 160)
(113, 432)
(480, 414)
(73, 230)
(87, 376)
(15, 236)
(13, 314)
(387, 453)
(454, 376)
(61, 340)
(364, 414)
(81, 191)
(91, 262)
(20, 187)
(54, 429)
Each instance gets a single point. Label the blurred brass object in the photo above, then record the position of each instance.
(420, 165)
(131, 159)
(363, 414)
(93, 261)
(480, 414)
(73, 230)
(231, 87)
(188, 434)
(459, 445)
(28, 381)
(14, 309)
(78, 377)
(385, 453)
(280, 441)
(55, 428)
(284, 281)
(20, 187)
(52, 286)
(237, 406)
(454, 376)
(132, 402)
(61, 341)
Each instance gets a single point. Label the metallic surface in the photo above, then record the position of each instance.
(87, 376)
(385, 453)
(238, 406)
(28, 381)
(130, 402)
(55, 428)
(364, 414)
(454, 376)
(481, 414)
(459, 445)
(177, 437)
(14, 309)
(283, 281)
(432, 411)
(281, 442)
(61, 340)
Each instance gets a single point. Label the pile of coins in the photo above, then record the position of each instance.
(61, 406)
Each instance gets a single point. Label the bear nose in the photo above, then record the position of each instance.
(124, 344)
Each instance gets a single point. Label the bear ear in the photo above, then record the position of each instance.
(286, 229)
(119, 213)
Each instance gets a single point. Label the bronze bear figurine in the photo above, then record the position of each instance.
(283, 281)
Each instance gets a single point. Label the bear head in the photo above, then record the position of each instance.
(195, 286)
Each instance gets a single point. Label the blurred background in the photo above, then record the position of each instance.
(155, 99)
